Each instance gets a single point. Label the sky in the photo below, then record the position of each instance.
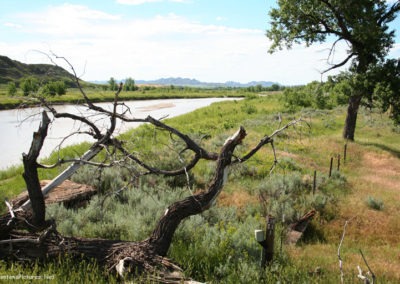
(207, 40)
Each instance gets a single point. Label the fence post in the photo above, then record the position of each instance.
(330, 167)
(314, 182)
(345, 153)
(338, 162)
(269, 251)
(266, 241)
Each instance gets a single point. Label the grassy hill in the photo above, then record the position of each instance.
(14, 71)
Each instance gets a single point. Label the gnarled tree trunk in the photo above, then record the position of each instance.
(31, 174)
(147, 255)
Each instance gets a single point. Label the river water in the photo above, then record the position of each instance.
(17, 126)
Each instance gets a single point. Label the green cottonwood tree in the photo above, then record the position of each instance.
(29, 85)
(362, 24)
(11, 89)
(113, 84)
(129, 84)
(387, 89)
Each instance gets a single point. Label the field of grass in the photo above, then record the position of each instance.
(218, 246)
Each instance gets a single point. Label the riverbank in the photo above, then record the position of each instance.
(98, 95)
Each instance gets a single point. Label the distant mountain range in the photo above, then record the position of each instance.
(178, 81)
(13, 70)
(186, 82)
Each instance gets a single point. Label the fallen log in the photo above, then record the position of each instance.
(71, 194)
(297, 229)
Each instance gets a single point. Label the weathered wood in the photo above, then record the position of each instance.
(69, 193)
(270, 237)
(297, 229)
(67, 173)
(31, 174)
(146, 255)
(161, 237)
(314, 182)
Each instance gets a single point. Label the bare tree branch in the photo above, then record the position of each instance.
(351, 55)
(266, 140)
(338, 253)
(369, 268)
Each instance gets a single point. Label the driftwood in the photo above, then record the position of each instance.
(69, 193)
(297, 229)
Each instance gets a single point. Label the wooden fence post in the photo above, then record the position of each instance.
(338, 162)
(270, 236)
(314, 182)
(266, 241)
(330, 167)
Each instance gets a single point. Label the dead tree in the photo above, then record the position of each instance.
(42, 239)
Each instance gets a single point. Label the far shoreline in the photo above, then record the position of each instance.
(73, 97)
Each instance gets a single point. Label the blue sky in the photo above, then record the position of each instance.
(214, 41)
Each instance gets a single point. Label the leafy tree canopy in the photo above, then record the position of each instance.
(363, 24)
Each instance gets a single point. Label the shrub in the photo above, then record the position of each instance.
(295, 98)
(375, 204)
(249, 108)
(54, 88)
(11, 89)
(29, 85)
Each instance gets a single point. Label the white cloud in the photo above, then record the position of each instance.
(12, 25)
(161, 46)
(136, 2)
(140, 2)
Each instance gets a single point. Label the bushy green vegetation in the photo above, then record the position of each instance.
(219, 245)
(54, 88)
(374, 203)
(316, 95)
(29, 85)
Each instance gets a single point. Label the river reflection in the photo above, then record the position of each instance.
(17, 126)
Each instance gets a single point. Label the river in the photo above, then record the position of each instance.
(17, 126)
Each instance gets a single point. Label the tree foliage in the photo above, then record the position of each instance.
(29, 85)
(54, 88)
(362, 24)
(112, 84)
(387, 89)
(130, 85)
(11, 89)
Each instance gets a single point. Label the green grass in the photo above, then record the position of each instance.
(63, 270)
(219, 245)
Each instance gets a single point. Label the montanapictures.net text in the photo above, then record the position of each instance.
(26, 277)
